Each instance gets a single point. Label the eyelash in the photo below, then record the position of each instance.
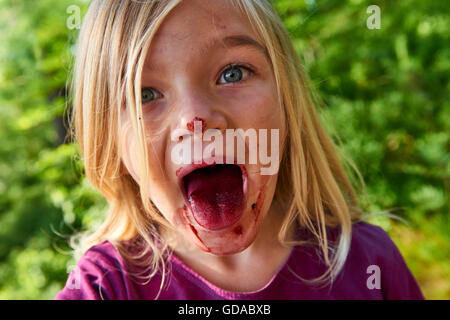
(227, 67)
(236, 65)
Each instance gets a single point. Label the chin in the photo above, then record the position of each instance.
(227, 241)
(225, 250)
(226, 244)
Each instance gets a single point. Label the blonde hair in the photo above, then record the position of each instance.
(112, 46)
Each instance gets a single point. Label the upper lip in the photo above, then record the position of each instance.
(184, 171)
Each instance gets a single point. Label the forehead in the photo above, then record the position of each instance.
(204, 16)
(202, 25)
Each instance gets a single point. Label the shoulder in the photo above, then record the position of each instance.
(104, 255)
(372, 246)
(372, 251)
(99, 274)
(373, 241)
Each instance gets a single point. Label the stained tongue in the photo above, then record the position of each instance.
(215, 194)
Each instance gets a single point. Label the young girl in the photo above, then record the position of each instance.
(153, 75)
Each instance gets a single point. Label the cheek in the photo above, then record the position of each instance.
(128, 149)
(161, 193)
(262, 109)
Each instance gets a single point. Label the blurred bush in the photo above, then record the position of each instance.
(385, 91)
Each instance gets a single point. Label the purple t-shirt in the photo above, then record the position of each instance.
(374, 269)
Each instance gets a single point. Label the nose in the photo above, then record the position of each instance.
(200, 110)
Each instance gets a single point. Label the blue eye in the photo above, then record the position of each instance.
(149, 94)
(234, 74)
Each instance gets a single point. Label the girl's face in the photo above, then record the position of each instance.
(205, 63)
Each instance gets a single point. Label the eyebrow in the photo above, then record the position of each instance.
(229, 42)
(239, 41)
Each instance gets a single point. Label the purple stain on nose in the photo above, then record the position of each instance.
(190, 125)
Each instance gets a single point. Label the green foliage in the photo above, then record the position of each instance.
(385, 92)
(43, 197)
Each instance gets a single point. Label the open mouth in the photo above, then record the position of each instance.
(215, 195)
